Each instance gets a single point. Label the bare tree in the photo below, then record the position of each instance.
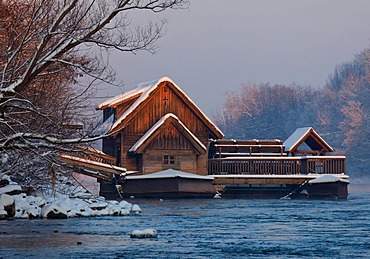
(51, 53)
(56, 34)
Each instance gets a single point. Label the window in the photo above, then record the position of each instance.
(168, 160)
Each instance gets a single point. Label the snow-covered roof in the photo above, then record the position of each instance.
(88, 163)
(169, 173)
(158, 124)
(144, 90)
(327, 178)
(104, 127)
(301, 135)
(139, 89)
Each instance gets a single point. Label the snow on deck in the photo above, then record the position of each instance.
(328, 179)
(170, 173)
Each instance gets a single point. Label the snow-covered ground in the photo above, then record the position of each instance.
(15, 203)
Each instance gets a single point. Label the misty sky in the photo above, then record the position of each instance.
(215, 46)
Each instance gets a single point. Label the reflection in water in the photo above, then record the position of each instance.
(203, 229)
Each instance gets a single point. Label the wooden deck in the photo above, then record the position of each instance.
(274, 176)
(277, 165)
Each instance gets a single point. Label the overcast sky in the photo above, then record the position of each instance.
(215, 46)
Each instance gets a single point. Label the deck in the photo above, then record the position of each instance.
(272, 176)
(277, 165)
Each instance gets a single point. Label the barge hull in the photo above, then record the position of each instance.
(289, 186)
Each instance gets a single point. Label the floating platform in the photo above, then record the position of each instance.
(296, 168)
(168, 184)
(279, 186)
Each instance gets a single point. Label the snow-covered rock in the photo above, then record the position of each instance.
(63, 203)
(3, 212)
(7, 202)
(56, 205)
(11, 189)
(124, 212)
(3, 182)
(114, 211)
(98, 205)
(135, 209)
(33, 212)
(53, 212)
(146, 233)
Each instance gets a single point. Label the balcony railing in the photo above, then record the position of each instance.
(93, 154)
(277, 165)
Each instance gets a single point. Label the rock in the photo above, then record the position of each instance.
(21, 206)
(33, 213)
(20, 197)
(146, 233)
(135, 209)
(3, 182)
(64, 203)
(11, 189)
(103, 212)
(40, 202)
(6, 199)
(15, 203)
(98, 205)
(124, 212)
(114, 211)
(127, 206)
(52, 211)
(8, 204)
(3, 213)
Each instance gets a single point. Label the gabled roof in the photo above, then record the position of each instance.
(104, 127)
(170, 173)
(140, 145)
(309, 136)
(121, 98)
(143, 92)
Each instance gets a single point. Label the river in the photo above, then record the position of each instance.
(204, 228)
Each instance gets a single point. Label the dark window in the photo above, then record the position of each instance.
(168, 160)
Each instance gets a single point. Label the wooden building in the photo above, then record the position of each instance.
(161, 144)
(156, 126)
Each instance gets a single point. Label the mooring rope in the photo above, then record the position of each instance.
(291, 193)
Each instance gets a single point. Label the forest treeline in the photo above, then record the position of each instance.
(339, 111)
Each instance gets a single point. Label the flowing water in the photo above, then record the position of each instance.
(204, 228)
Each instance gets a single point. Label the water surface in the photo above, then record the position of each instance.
(204, 228)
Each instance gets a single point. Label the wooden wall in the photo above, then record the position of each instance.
(185, 160)
(163, 101)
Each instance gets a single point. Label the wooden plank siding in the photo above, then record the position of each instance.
(164, 100)
(185, 160)
(161, 102)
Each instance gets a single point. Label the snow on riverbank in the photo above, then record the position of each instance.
(14, 203)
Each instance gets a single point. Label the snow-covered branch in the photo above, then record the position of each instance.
(50, 60)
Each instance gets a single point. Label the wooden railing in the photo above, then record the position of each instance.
(93, 155)
(277, 165)
(325, 165)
